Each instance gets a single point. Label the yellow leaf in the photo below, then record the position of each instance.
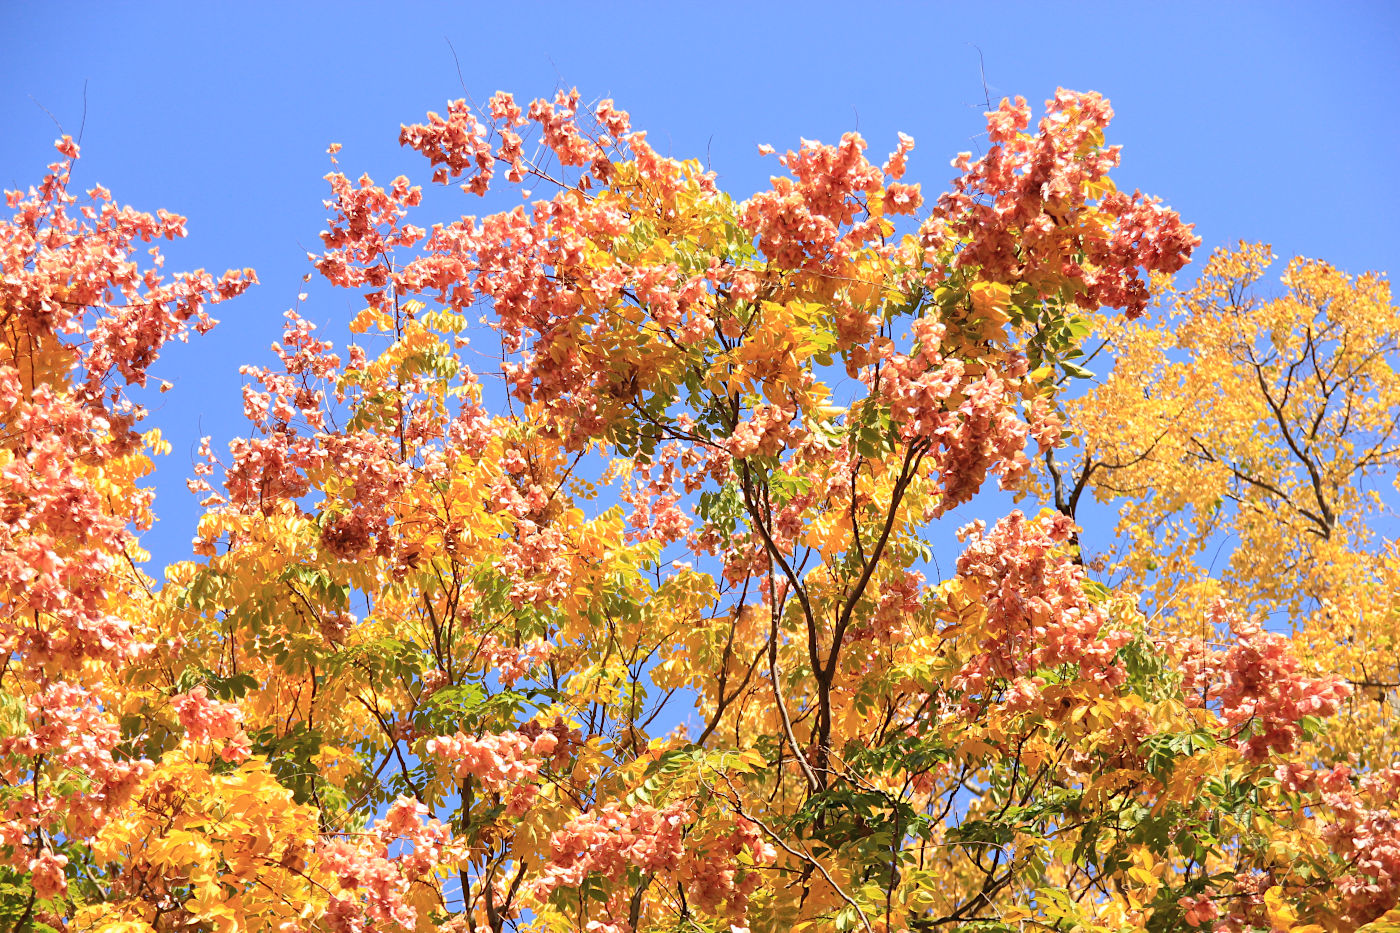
(1280, 914)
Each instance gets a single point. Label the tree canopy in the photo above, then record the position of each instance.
(641, 627)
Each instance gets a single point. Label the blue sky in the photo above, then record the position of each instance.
(1271, 121)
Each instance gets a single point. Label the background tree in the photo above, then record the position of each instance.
(1250, 443)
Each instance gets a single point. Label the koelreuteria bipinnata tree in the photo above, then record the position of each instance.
(635, 631)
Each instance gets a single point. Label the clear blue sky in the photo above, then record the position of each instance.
(1272, 121)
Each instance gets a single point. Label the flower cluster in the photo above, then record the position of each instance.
(969, 423)
(46, 874)
(1363, 828)
(609, 841)
(1037, 613)
(1257, 684)
(657, 513)
(809, 221)
(506, 764)
(375, 885)
(367, 225)
(1025, 210)
(512, 662)
(209, 720)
